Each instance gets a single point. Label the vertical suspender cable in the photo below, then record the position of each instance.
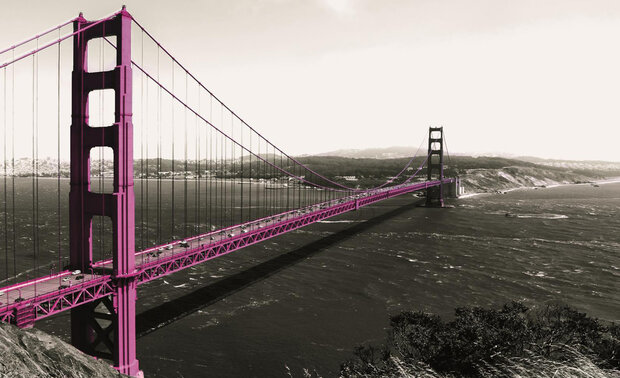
(34, 250)
(274, 193)
(142, 126)
(258, 179)
(265, 176)
(278, 194)
(185, 167)
(280, 187)
(59, 231)
(445, 142)
(220, 170)
(256, 175)
(273, 180)
(229, 182)
(147, 178)
(263, 181)
(241, 151)
(311, 189)
(210, 217)
(233, 172)
(38, 246)
(13, 166)
(173, 172)
(158, 194)
(305, 190)
(34, 166)
(282, 178)
(5, 196)
(288, 187)
(209, 172)
(223, 202)
(146, 152)
(270, 182)
(227, 169)
(264, 186)
(218, 180)
(250, 179)
(101, 155)
(198, 173)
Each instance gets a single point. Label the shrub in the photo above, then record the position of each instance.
(478, 340)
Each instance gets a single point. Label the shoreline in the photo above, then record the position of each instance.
(608, 180)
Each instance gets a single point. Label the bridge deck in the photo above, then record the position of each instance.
(26, 302)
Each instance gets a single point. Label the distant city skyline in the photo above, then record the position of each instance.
(527, 78)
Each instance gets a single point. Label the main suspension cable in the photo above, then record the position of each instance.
(234, 114)
(223, 106)
(54, 42)
(58, 27)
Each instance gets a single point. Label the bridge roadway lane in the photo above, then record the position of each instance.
(26, 302)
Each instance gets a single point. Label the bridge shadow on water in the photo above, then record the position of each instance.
(166, 313)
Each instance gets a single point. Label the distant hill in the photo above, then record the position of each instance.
(364, 168)
(375, 153)
(397, 152)
(574, 164)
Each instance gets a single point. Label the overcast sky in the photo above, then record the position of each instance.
(526, 77)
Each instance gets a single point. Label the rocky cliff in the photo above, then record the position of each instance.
(492, 180)
(34, 353)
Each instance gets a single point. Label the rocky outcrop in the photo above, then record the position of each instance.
(34, 353)
(491, 180)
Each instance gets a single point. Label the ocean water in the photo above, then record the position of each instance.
(306, 299)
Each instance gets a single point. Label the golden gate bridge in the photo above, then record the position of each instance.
(162, 176)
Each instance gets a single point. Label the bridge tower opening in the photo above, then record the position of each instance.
(434, 167)
(106, 327)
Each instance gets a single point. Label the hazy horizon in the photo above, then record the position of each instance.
(341, 152)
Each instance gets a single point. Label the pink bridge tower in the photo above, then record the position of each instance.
(104, 328)
(434, 195)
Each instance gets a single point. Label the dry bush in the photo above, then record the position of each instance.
(554, 340)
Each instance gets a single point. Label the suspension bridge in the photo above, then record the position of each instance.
(161, 176)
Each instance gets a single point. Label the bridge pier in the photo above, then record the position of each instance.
(452, 190)
(106, 327)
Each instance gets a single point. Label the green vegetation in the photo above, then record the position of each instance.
(512, 341)
(329, 166)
